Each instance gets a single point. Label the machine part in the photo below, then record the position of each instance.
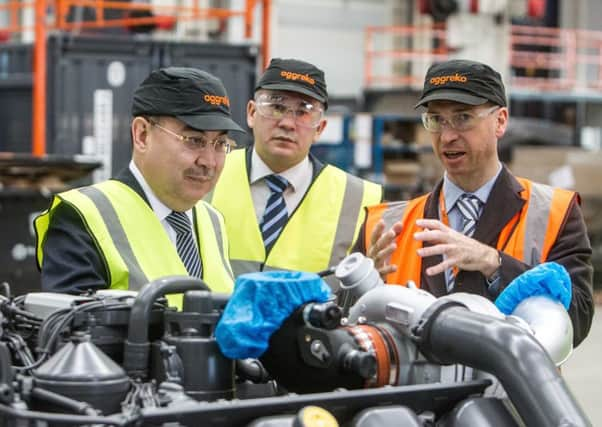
(397, 305)
(343, 404)
(205, 373)
(356, 272)
(6, 373)
(173, 370)
(387, 339)
(376, 341)
(482, 412)
(326, 315)
(388, 415)
(314, 416)
(449, 333)
(80, 371)
(42, 304)
(357, 276)
(117, 293)
(136, 350)
(475, 303)
(172, 394)
(289, 358)
(252, 370)
(59, 401)
(550, 324)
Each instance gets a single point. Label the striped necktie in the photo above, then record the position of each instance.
(185, 244)
(275, 215)
(469, 207)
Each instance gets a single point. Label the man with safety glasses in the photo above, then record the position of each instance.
(480, 227)
(283, 208)
(149, 221)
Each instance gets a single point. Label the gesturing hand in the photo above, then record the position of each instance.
(458, 250)
(382, 245)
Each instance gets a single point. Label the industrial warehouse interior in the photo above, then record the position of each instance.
(103, 321)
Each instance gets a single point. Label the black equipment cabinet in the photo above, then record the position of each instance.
(18, 207)
(86, 73)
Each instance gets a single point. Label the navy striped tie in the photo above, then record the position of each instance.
(275, 214)
(185, 244)
(469, 207)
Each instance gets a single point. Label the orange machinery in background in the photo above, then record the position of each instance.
(162, 16)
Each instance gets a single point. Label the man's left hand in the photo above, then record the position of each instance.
(458, 250)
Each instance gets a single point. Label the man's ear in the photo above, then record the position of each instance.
(320, 129)
(251, 111)
(140, 128)
(502, 122)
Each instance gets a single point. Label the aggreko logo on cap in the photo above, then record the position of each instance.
(289, 75)
(217, 100)
(441, 80)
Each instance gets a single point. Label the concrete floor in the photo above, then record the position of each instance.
(583, 371)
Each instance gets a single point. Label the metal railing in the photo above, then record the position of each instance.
(540, 58)
(59, 10)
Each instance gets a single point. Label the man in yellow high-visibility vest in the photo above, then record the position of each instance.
(283, 208)
(149, 221)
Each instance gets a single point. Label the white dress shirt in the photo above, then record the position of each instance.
(299, 178)
(159, 208)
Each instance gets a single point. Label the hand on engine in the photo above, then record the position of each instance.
(382, 245)
(458, 250)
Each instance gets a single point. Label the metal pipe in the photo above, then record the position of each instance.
(449, 333)
(266, 33)
(137, 346)
(38, 146)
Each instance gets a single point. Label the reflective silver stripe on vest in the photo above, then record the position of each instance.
(394, 213)
(137, 278)
(350, 210)
(218, 235)
(538, 215)
(243, 266)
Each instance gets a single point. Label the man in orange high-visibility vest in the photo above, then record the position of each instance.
(481, 226)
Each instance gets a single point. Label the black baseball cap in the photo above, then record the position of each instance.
(464, 81)
(193, 96)
(295, 76)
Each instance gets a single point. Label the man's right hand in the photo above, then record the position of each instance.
(382, 245)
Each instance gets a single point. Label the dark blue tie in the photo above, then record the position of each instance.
(275, 214)
(185, 244)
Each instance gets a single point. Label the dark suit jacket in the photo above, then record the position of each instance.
(72, 263)
(572, 250)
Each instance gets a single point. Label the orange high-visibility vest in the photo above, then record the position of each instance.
(528, 236)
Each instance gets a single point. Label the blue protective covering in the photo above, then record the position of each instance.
(260, 303)
(549, 279)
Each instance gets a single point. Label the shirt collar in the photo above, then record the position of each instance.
(451, 192)
(160, 209)
(294, 175)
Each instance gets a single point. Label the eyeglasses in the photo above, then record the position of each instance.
(304, 113)
(461, 121)
(221, 145)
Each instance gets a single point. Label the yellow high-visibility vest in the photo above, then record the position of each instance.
(318, 234)
(133, 243)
